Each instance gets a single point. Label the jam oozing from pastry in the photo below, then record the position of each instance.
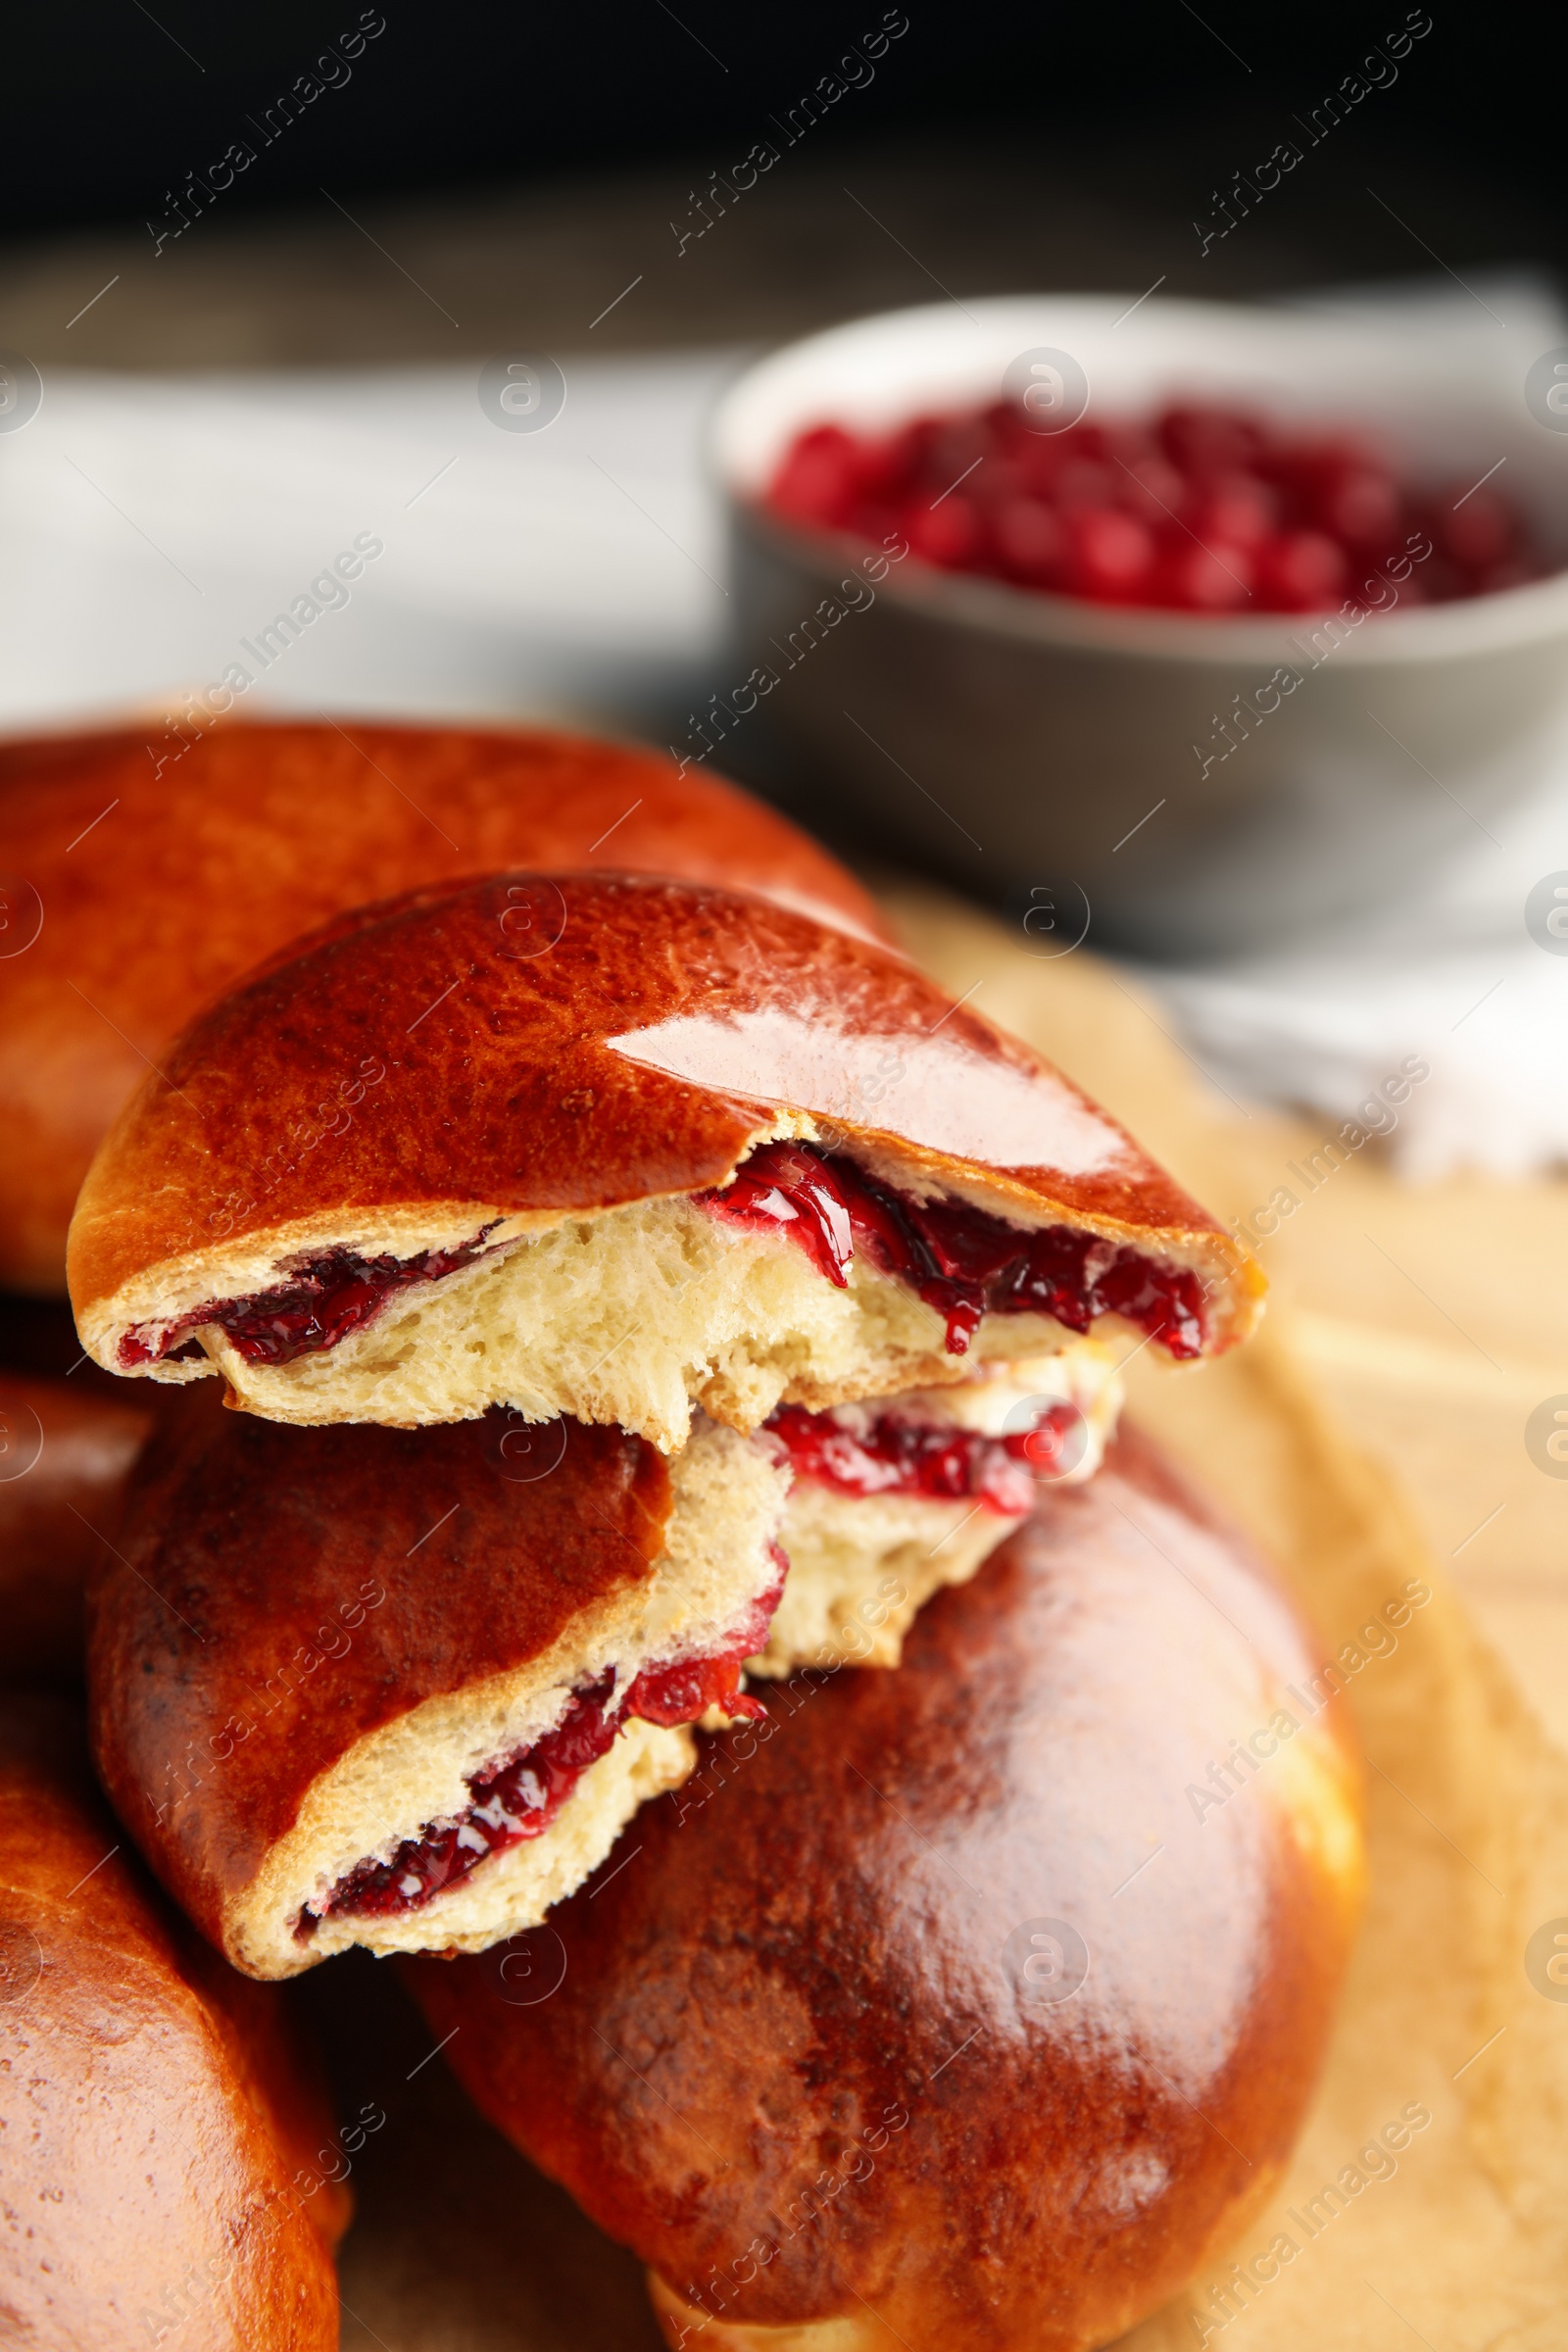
(960, 1260)
(520, 1797)
(894, 1455)
(322, 1303)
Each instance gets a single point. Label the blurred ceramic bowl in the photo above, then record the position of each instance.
(1157, 767)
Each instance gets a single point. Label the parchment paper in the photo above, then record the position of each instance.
(1454, 2235)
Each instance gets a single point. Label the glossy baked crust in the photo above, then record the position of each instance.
(306, 1641)
(159, 2116)
(542, 1048)
(164, 874)
(816, 1984)
(63, 1460)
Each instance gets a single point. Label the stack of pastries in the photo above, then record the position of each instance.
(668, 1525)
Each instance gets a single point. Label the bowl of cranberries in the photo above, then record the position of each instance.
(1212, 623)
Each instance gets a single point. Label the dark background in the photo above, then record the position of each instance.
(112, 103)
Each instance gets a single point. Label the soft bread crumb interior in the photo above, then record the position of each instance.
(1003, 1399)
(727, 1495)
(631, 1317)
(861, 1567)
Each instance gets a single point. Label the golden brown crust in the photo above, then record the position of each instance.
(809, 1987)
(155, 2107)
(63, 1460)
(254, 834)
(279, 1595)
(639, 1054)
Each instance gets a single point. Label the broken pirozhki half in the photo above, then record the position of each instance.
(404, 1688)
(619, 1150)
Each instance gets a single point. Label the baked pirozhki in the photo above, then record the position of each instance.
(618, 1149)
(402, 1689)
(65, 1456)
(155, 873)
(165, 2134)
(948, 2015)
(895, 1496)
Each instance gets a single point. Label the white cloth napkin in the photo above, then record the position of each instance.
(150, 525)
(1451, 979)
(153, 527)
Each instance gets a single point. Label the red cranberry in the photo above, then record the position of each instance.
(1002, 477)
(1085, 482)
(1110, 557)
(1124, 445)
(1204, 442)
(1112, 511)
(1002, 420)
(1208, 579)
(880, 465)
(819, 476)
(1362, 509)
(1301, 571)
(1044, 458)
(1150, 488)
(1310, 464)
(1031, 541)
(956, 448)
(878, 520)
(948, 534)
(910, 446)
(1234, 509)
(1477, 531)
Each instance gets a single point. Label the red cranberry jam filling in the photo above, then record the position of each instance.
(960, 1260)
(322, 1301)
(896, 1457)
(521, 1797)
